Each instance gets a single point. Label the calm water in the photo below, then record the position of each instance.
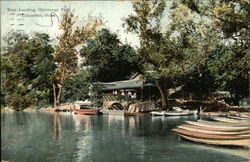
(40, 136)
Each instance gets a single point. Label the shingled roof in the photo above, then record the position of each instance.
(136, 82)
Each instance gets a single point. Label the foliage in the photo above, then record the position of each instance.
(228, 62)
(77, 87)
(199, 40)
(229, 16)
(109, 60)
(167, 60)
(189, 51)
(65, 51)
(228, 65)
(27, 63)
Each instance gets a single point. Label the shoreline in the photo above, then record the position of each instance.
(65, 107)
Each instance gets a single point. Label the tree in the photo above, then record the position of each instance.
(228, 65)
(163, 58)
(66, 52)
(228, 62)
(199, 40)
(108, 59)
(27, 62)
(77, 87)
(229, 16)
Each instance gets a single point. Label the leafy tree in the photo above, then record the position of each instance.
(199, 40)
(228, 62)
(229, 16)
(165, 59)
(27, 63)
(77, 87)
(228, 65)
(108, 59)
(66, 52)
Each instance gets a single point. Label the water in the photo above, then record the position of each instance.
(40, 136)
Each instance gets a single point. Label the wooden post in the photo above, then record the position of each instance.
(142, 85)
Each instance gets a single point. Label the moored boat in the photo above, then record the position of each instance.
(236, 142)
(219, 127)
(196, 134)
(237, 117)
(172, 113)
(216, 123)
(135, 113)
(177, 112)
(233, 121)
(85, 108)
(157, 113)
(201, 130)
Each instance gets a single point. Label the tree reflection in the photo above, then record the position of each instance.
(57, 125)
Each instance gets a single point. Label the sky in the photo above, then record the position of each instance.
(31, 16)
(35, 16)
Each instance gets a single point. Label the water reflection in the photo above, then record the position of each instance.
(84, 127)
(57, 126)
(69, 137)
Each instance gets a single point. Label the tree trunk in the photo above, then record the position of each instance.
(54, 92)
(164, 97)
(59, 94)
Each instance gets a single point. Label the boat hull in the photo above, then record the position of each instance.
(112, 112)
(196, 134)
(86, 111)
(135, 113)
(237, 142)
(201, 130)
(232, 121)
(178, 113)
(218, 127)
(169, 113)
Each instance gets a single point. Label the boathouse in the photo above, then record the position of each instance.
(119, 95)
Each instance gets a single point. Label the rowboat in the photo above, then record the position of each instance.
(86, 111)
(237, 142)
(237, 117)
(85, 108)
(169, 113)
(221, 123)
(201, 130)
(112, 112)
(208, 136)
(135, 113)
(233, 121)
(219, 127)
(173, 113)
(157, 113)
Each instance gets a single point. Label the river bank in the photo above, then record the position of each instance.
(68, 107)
(62, 107)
